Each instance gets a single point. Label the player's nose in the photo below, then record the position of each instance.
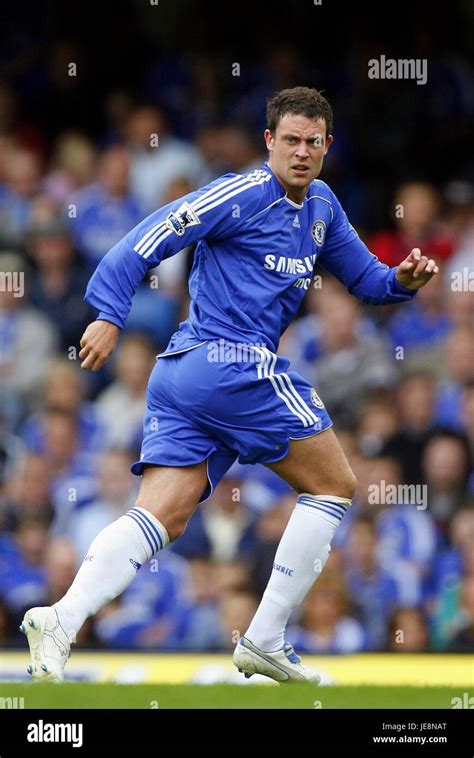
(302, 150)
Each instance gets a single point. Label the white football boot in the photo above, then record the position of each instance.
(283, 665)
(49, 644)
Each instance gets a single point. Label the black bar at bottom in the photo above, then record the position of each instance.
(219, 732)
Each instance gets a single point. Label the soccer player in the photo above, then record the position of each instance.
(220, 390)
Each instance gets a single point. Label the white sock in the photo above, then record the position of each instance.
(301, 556)
(113, 559)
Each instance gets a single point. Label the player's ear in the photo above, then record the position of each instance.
(269, 140)
(329, 141)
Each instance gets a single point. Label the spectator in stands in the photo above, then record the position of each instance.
(446, 471)
(64, 390)
(454, 563)
(405, 527)
(116, 488)
(206, 621)
(27, 492)
(460, 223)
(60, 564)
(463, 639)
(5, 632)
(105, 210)
(22, 572)
(59, 281)
(223, 528)
(235, 611)
(415, 408)
(376, 589)
(303, 341)
(227, 522)
(348, 366)
(121, 406)
(118, 105)
(157, 157)
(458, 360)
(11, 452)
(72, 470)
(270, 526)
(460, 306)
(421, 328)
(27, 342)
(200, 618)
(406, 535)
(408, 631)
(416, 211)
(23, 173)
(72, 167)
(378, 423)
(325, 625)
(151, 611)
(238, 149)
(468, 416)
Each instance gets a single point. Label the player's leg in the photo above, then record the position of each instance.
(179, 465)
(166, 500)
(317, 468)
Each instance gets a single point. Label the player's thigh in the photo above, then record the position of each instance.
(171, 493)
(318, 465)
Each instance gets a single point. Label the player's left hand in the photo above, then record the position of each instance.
(416, 270)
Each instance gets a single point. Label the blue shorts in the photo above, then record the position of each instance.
(217, 403)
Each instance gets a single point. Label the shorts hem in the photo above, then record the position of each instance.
(283, 455)
(313, 434)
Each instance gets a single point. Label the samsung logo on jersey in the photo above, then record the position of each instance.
(283, 265)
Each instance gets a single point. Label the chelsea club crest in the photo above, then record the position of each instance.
(318, 232)
(315, 399)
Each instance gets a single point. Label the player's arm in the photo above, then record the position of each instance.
(208, 212)
(349, 260)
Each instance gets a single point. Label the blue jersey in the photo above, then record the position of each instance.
(254, 259)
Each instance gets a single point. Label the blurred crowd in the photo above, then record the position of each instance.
(398, 382)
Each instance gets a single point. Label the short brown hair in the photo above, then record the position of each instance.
(298, 100)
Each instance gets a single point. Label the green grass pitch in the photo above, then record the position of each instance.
(91, 695)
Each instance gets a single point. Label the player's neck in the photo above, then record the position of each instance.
(295, 194)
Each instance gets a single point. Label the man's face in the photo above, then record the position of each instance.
(297, 150)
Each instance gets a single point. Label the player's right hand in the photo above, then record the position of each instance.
(98, 342)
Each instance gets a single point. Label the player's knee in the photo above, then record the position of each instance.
(342, 484)
(173, 520)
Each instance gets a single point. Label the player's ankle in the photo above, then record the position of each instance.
(266, 644)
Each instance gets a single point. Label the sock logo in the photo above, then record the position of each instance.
(283, 569)
(42, 732)
(137, 566)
